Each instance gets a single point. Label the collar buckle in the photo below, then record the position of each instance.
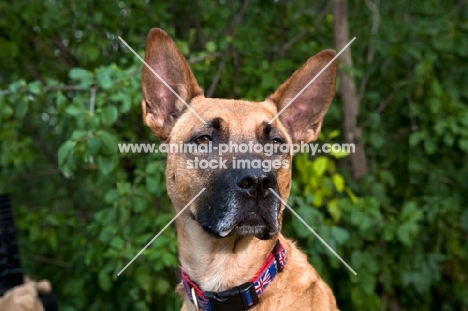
(242, 297)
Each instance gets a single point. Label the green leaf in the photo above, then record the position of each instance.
(334, 209)
(79, 134)
(341, 235)
(320, 165)
(340, 154)
(109, 115)
(126, 103)
(104, 280)
(61, 100)
(111, 196)
(124, 188)
(125, 100)
(269, 80)
(367, 282)
(333, 134)
(21, 109)
(94, 144)
(463, 144)
(64, 151)
(430, 145)
(107, 163)
(411, 212)
(152, 184)
(211, 47)
(357, 259)
(152, 168)
(339, 182)
(283, 64)
(351, 195)
(117, 243)
(83, 76)
(53, 240)
(318, 199)
(386, 177)
(104, 78)
(138, 204)
(435, 104)
(376, 139)
(17, 86)
(169, 260)
(109, 143)
(123, 212)
(7, 111)
(91, 52)
(406, 232)
(436, 88)
(78, 73)
(415, 138)
(35, 87)
(183, 46)
(75, 110)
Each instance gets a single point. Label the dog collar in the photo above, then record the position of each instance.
(241, 297)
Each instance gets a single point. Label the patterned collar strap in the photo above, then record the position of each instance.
(241, 297)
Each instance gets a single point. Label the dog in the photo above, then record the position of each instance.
(232, 253)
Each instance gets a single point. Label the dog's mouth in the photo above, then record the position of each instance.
(252, 224)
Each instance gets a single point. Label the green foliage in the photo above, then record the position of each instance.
(70, 92)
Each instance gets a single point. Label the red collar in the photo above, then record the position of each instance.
(241, 297)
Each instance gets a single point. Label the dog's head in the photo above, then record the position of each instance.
(239, 198)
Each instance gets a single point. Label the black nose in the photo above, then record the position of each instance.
(255, 182)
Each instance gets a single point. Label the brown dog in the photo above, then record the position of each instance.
(232, 254)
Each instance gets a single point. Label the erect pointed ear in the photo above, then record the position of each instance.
(303, 117)
(161, 107)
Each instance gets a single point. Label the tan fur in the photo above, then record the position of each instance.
(218, 264)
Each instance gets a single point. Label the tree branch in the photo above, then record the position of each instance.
(64, 50)
(349, 96)
(47, 49)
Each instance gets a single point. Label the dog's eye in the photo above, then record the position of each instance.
(277, 141)
(204, 139)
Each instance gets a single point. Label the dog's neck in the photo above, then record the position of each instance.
(217, 264)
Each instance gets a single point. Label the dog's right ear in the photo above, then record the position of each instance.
(161, 107)
(304, 115)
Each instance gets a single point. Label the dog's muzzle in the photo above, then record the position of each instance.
(240, 203)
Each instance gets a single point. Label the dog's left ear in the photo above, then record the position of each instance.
(304, 116)
(161, 107)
